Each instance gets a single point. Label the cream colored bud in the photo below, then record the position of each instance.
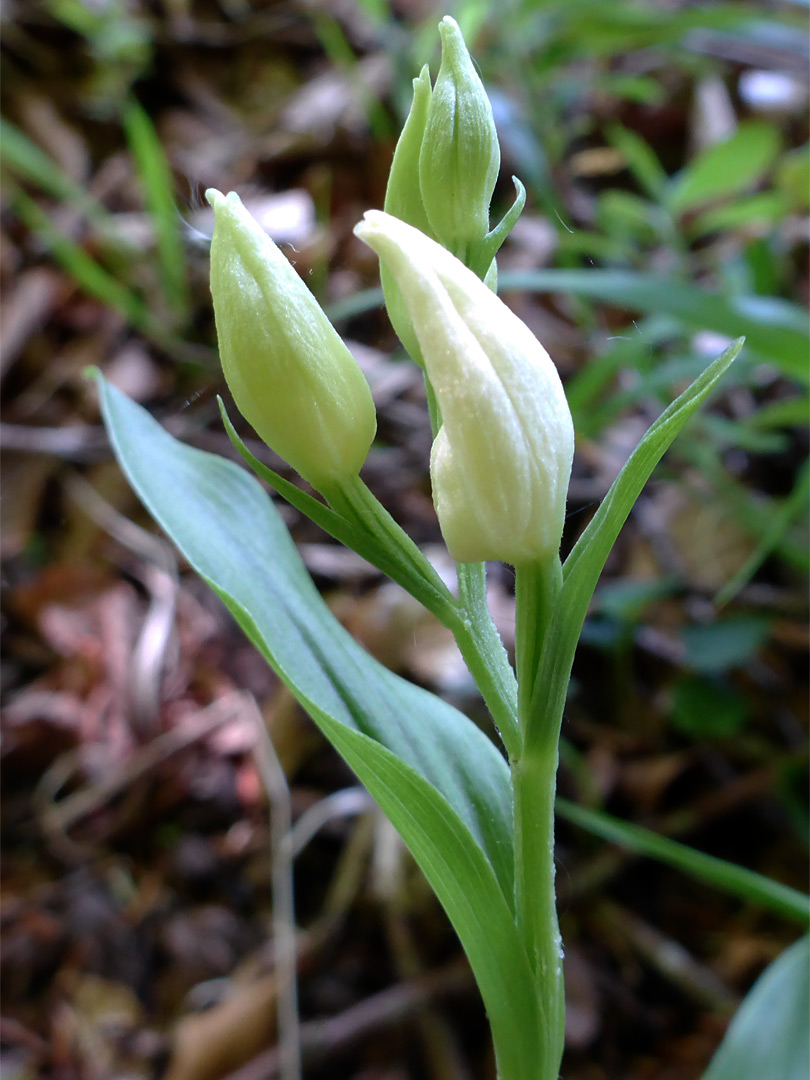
(291, 376)
(501, 461)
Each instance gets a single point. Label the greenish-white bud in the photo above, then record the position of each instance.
(291, 376)
(403, 199)
(501, 460)
(460, 156)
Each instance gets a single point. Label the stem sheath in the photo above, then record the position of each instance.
(534, 783)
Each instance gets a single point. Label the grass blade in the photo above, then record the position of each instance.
(83, 268)
(725, 876)
(773, 329)
(23, 157)
(158, 190)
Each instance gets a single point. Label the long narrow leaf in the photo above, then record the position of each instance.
(724, 876)
(83, 268)
(585, 563)
(22, 156)
(774, 330)
(156, 179)
(726, 168)
(439, 779)
(777, 525)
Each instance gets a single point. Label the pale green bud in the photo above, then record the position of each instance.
(501, 461)
(291, 376)
(460, 156)
(403, 199)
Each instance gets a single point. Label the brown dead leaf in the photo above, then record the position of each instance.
(214, 1043)
(646, 780)
(133, 371)
(26, 306)
(24, 479)
(102, 1013)
(696, 535)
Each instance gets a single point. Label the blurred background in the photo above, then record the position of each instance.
(664, 148)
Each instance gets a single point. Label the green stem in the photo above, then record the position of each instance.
(534, 782)
(468, 617)
(399, 556)
(484, 654)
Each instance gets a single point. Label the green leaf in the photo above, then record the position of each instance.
(482, 254)
(708, 708)
(29, 162)
(641, 159)
(156, 180)
(626, 215)
(774, 330)
(83, 268)
(725, 876)
(765, 208)
(793, 178)
(784, 413)
(435, 774)
(769, 1037)
(727, 168)
(404, 564)
(724, 644)
(778, 523)
(585, 563)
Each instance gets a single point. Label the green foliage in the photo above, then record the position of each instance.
(793, 177)
(88, 273)
(158, 188)
(641, 160)
(584, 565)
(703, 248)
(775, 331)
(707, 708)
(769, 1038)
(719, 874)
(119, 42)
(773, 536)
(439, 779)
(27, 162)
(724, 644)
(727, 168)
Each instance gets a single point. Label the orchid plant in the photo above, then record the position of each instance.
(477, 817)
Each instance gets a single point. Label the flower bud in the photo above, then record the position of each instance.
(460, 156)
(291, 376)
(502, 458)
(403, 199)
